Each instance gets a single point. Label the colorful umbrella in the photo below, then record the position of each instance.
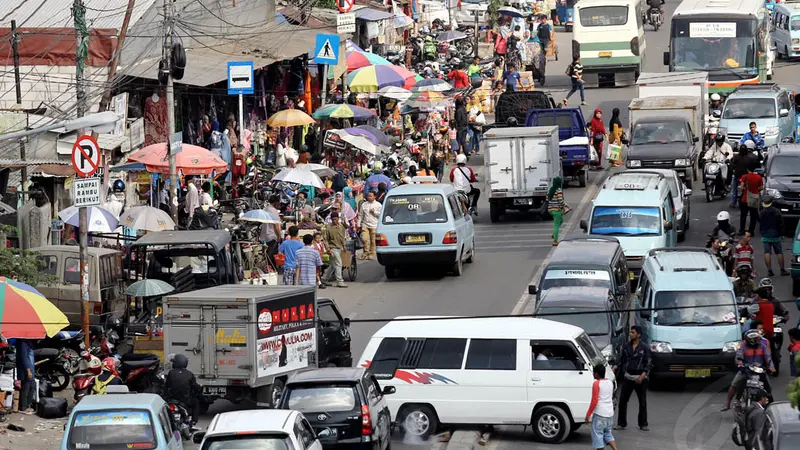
(375, 135)
(373, 78)
(101, 220)
(360, 142)
(146, 218)
(192, 160)
(428, 99)
(289, 118)
(343, 111)
(396, 93)
(357, 60)
(432, 84)
(260, 216)
(26, 314)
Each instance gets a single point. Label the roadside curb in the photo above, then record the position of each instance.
(463, 440)
(524, 305)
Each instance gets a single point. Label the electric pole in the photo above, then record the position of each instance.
(173, 172)
(18, 85)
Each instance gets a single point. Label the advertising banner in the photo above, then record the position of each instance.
(287, 338)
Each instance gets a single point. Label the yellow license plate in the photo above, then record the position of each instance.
(631, 276)
(605, 54)
(415, 239)
(698, 373)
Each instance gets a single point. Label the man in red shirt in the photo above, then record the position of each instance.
(743, 252)
(752, 184)
(766, 311)
(459, 77)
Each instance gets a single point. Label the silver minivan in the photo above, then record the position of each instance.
(768, 105)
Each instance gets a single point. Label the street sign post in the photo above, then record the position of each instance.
(327, 49)
(85, 156)
(86, 192)
(240, 82)
(345, 5)
(346, 23)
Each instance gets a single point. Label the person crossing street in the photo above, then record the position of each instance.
(334, 237)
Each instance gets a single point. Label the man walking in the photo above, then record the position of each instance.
(271, 232)
(634, 366)
(770, 223)
(601, 410)
(334, 237)
(755, 419)
(25, 371)
(308, 261)
(289, 248)
(368, 223)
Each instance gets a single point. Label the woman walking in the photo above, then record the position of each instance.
(616, 132)
(598, 135)
(556, 206)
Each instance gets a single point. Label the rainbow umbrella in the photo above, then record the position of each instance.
(342, 111)
(26, 314)
(373, 78)
(357, 60)
(432, 84)
(427, 99)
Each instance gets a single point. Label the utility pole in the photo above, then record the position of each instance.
(81, 51)
(18, 85)
(173, 172)
(476, 12)
(112, 70)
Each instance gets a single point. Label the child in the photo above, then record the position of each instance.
(319, 245)
(794, 349)
(453, 136)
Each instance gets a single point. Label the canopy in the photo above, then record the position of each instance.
(192, 160)
(357, 60)
(360, 142)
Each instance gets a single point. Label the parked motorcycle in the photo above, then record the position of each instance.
(140, 372)
(52, 365)
(72, 342)
(716, 185)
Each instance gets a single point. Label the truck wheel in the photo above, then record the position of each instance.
(582, 178)
(494, 212)
(551, 425)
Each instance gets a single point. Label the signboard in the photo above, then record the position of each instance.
(176, 144)
(334, 141)
(85, 156)
(711, 30)
(137, 133)
(119, 105)
(579, 274)
(346, 23)
(240, 78)
(86, 192)
(345, 5)
(286, 335)
(327, 49)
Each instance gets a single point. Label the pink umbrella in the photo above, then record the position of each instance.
(192, 160)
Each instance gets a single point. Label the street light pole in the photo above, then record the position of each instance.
(173, 172)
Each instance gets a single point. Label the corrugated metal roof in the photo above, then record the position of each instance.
(58, 13)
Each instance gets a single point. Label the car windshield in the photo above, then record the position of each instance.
(604, 16)
(411, 209)
(248, 442)
(626, 221)
(112, 429)
(327, 398)
(694, 308)
(749, 108)
(574, 278)
(588, 346)
(659, 133)
(594, 324)
(723, 46)
(795, 23)
(784, 166)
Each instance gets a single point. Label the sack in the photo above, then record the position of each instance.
(614, 153)
(52, 408)
(346, 258)
(593, 157)
(569, 71)
(280, 259)
(45, 389)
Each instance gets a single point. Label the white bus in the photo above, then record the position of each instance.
(729, 39)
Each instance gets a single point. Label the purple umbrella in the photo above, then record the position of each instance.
(374, 135)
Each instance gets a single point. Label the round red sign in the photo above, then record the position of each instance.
(345, 5)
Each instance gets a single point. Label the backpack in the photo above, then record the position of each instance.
(570, 70)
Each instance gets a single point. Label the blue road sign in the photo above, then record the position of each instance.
(240, 78)
(327, 49)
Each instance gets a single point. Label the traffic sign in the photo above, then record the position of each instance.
(346, 23)
(327, 49)
(240, 78)
(345, 5)
(86, 192)
(85, 156)
(176, 146)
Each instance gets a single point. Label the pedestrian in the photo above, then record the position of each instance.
(575, 74)
(452, 135)
(556, 206)
(545, 34)
(755, 419)
(25, 374)
(770, 225)
(751, 186)
(511, 78)
(334, 237)
(319, 245)
(270, 234)
(598, 135)
(794, 350)
(476, 122)
(616, 134)
(634, 366)
(601, 410)
(308, 261)
(437, 164)
(462, 121)
(741, 162)
(289, 248)
(743, 253)
(368, 223)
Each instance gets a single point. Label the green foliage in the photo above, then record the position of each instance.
(793, 389)
(494, 5)
(326, 4)
(22, 265)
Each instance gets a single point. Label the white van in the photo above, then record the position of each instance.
(785, 31)
(485, 372)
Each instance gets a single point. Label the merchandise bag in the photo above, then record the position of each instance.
(593, 158)
(614, 153)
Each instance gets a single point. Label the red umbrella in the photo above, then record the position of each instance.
(192, 160)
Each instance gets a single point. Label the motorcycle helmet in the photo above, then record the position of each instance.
(119, 186)
(744, 269)
(753, 337)
(461, 158)
(716, 97)
(512, 121)
(750, 145)
(719, 139)
(377, 167)
(180, 361)
(95, 366)
(765, 283)
(110, 364)
(113, 323)
(723, 216)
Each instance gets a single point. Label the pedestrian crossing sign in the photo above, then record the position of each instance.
(327, 49)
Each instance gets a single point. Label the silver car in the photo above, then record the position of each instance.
(768, 105)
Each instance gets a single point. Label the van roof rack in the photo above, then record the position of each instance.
(632, 186)
(759, 87)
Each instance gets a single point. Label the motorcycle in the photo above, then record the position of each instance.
(72, 342)
(52, 365)
(140, 372)
(654, 17)
(711, 125)
(754, 383)
(182, 419)
(713, 180)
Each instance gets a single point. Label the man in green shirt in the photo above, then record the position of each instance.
(334, 236)
(474, 68)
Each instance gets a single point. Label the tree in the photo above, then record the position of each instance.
(22, 265)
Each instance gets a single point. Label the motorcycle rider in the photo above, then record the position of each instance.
(716, 102)
(753, 350)
(768, 289)
(754, 136)
(105, 375)
(723, 230)
(181, 386)
(429, 49)
(462, 177)
(656, 4)
(721, 152)
(377, 178)
(744, 285)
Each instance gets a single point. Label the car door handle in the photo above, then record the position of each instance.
(536, 379)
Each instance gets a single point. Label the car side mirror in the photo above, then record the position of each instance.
(695, 139)
(644, 314)
(783, 113)
(197, 437)
(389, 390)
(584, 225)
(666, 58)
(668, 226)
(531, 289)
(688, 192)
(347, 321)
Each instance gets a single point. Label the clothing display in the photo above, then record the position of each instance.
(155, 119)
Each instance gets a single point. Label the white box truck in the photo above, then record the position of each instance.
(670, 84)
(520, 164)
(243, 341)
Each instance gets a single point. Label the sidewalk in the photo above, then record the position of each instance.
(39, 434)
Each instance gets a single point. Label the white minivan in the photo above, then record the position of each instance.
(485, 371)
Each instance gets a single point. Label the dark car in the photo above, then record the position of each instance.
(782, 430)
(782, 179)
(664, 143)
(345, 406)
(517, 105)
(594, 309)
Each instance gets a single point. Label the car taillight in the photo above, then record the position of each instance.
(635, 46)
(366, 421)
(450, 238)
(381, 241)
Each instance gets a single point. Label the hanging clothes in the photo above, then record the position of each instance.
(155, 119)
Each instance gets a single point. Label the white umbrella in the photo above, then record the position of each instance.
(100, 219)
(260, 216)
(299, 175)
(394, 92)
(146, 218)
(358, 141)
(509, 11)
(320, 169)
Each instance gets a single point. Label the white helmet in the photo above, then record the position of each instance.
(723, 215)
(715, 97)
(461, 158)
(750, 144)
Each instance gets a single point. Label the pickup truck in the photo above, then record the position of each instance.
(517, 105)
(573, 139)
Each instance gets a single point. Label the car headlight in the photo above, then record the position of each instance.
(607, 352)
(797, 259)
(774, 193)
(772, 131)
(712, 168)
(660, 347)
(634, 163)
(681, 162)
(730, 347)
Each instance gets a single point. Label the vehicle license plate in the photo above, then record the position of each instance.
(754, 383)
(631, 275)
(214, 390)
(523, 201)
(698, 373)
(605, 55)
(415, 239)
